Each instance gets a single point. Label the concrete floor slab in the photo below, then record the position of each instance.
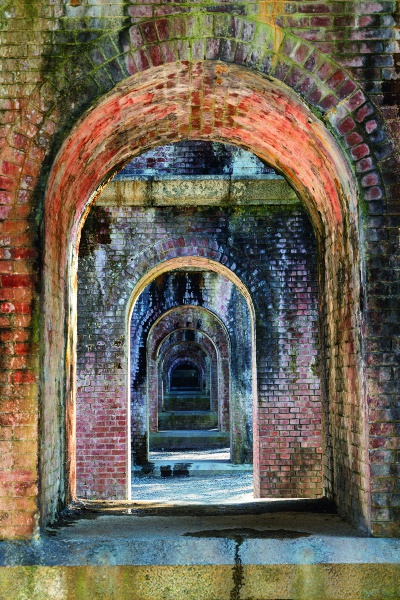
(291, 550)
(155, 534)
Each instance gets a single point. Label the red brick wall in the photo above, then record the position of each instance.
(272, 250)
(56, 62)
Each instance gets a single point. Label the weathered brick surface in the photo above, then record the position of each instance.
(271, 250)
(194, 158)
(168, 343)
(58, 58)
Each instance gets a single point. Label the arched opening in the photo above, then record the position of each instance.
(185, 377)
(185, 422)
(170, 332)
(277, 136)
(176, 348)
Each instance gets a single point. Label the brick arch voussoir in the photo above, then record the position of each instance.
(268, 50)
(234, 89)
(243, 41)
(180, 247)
(212, 345)
(179, 348)
(201, 338)
(176, 319)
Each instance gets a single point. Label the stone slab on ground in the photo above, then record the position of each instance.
(188, 440)
(291, 550)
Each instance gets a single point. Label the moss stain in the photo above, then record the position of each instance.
(96, 231)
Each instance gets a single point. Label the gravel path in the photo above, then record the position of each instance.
(218, 489)
(230, 488)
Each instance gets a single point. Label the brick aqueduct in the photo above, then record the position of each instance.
(251, 231)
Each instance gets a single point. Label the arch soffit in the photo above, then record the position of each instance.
(263, 115)
(179, 252)
(179, 348)
(213, 353)
(157, 333)
(266, 49)
(206, 343)
(202, 339)
(193, 357)
(183, 254)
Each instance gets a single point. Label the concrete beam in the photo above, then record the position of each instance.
(196, 192)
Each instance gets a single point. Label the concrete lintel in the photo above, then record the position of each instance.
(197, 192)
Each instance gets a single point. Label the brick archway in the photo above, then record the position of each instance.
(178, 355)
(175, 356)
(216, 343)
(214, 386)
(268, 119)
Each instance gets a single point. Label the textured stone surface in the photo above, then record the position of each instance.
(58, 59)
(299, 555)
(272, 251)
(289, 582)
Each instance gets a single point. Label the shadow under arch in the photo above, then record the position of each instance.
(267, 118)
(217, 387)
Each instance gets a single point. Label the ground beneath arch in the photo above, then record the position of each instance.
(195, 477)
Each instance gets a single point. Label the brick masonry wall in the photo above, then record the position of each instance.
(57, 59)
(195, 158)
(187, 320)
(274, 250)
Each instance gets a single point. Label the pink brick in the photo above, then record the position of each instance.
(360, 151)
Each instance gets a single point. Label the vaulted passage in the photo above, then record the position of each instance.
(223, 335)
(235, 230)
(199, 255)
(188, 341)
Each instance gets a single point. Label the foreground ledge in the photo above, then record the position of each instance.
(255, 551)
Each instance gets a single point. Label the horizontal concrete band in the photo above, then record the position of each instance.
(124, 549)
(219, 582)
(196, 191)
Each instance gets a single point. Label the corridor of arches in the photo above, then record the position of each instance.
(202, 258)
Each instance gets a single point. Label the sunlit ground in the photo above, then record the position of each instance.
(219, 488)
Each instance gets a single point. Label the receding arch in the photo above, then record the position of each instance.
(178, 353)
(265, 117)
(215, 332)
(176, 373)
(217, 386)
